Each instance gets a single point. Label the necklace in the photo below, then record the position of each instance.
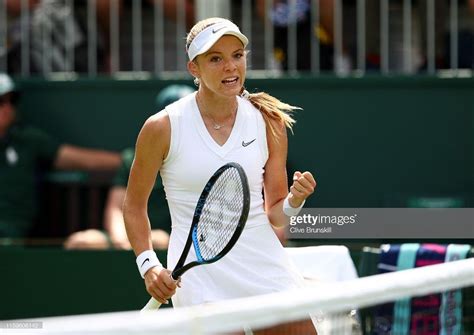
(215, 126)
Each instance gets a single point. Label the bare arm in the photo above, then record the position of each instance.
(115, 225)
(151, 149)
(113, 218)
(275, 180)
(72, 157)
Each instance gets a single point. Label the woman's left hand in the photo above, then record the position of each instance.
(303, 186)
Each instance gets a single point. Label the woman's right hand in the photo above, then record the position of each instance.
(160, 285)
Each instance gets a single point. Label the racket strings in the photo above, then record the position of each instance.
(221, 214)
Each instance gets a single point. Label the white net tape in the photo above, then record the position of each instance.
(324, 301)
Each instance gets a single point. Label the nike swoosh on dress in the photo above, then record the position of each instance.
(245, 144)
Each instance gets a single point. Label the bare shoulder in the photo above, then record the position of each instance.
(277, 137)
(155, 134)
(157, 123)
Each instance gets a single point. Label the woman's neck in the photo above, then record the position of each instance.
(219, 109)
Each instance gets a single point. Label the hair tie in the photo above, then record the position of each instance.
(245, 94)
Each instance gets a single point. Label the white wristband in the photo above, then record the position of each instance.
(291, 211)
(146, 260)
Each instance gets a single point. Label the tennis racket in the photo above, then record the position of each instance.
(219, 219)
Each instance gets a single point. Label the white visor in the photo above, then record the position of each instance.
(210, 35)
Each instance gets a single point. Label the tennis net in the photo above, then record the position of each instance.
(392, 303)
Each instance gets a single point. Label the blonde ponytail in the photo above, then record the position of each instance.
(273, 109)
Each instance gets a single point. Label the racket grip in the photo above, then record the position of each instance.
(152, 305)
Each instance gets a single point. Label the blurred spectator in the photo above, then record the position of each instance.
(54, 28)
(465, 38)
(441, 35)
(441, 14)
(114, 235)
(171, 7)
(14, 6)
(23, 151)
(171, 39)
(281, 17)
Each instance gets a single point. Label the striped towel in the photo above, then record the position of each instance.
(431, 314)
(424, 314)
(450, 312)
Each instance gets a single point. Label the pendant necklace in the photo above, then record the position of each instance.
(216, 126)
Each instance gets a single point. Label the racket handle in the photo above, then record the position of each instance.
(152, 305)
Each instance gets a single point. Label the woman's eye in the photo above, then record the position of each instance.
(215, 59)
(239, 55)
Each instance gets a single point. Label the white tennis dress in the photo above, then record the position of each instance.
(258, 263)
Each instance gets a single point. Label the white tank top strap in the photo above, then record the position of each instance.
(175, 114)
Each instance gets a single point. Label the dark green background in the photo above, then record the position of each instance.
(39, 282)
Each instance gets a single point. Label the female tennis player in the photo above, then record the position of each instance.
(186, 143)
